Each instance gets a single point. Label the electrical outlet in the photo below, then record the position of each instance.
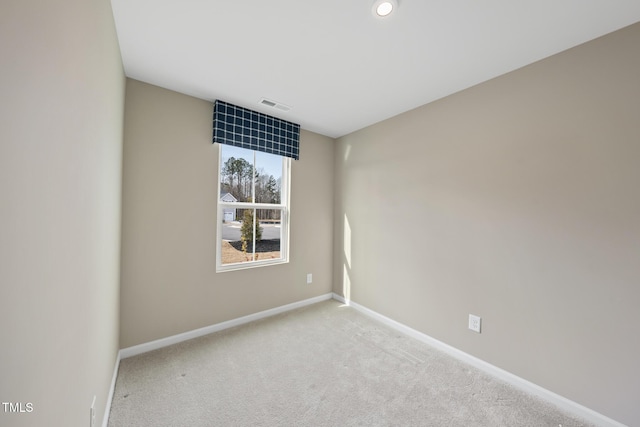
(92, 413)
(474, 323)
(309, 278)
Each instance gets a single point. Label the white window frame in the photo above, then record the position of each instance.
(284, 205)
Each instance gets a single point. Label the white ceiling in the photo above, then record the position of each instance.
(334, 63)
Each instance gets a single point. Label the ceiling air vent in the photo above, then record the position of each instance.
(274, 104)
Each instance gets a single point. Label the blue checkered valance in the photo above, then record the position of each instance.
(241, 127)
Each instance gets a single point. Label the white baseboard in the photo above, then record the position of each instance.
(524, 385)
(164, 342)
(107, 409)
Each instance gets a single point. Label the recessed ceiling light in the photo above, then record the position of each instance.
(383, 8)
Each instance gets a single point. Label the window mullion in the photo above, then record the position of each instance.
(244, 205)
(255, 220)
(253, 179)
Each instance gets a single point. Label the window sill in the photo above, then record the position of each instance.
(247, 265)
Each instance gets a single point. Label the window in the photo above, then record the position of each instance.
(253, 192)
(253, 208)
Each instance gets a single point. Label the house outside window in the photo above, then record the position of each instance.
(228, 214)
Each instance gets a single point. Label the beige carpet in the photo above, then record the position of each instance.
(322, 365)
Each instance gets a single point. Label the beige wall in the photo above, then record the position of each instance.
(516, 200)
(169, 283)
(61, 113)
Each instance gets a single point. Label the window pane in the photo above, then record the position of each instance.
(237, 236)
(270, 233)
(236, 172)
(268, 178)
